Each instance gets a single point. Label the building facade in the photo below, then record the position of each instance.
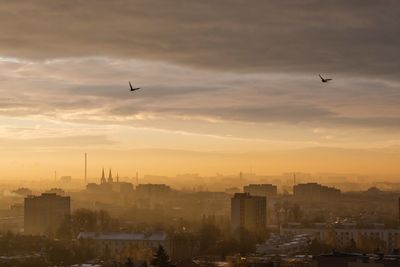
(248, 212)
(343, 235)
(110, 185)
(43, 214)
(262, 190)
(337, 259)
(116, 244)
(152, 189)
(284, 245)
(315, 192)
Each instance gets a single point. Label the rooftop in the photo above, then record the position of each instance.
(123, 236)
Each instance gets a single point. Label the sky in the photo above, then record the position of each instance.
(227, 86)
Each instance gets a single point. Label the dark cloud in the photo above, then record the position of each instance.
(307, 115)
(95, 90)
(357, 37)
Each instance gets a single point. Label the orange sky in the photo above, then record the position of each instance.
(226, 86)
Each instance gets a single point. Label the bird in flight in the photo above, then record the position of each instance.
(132, 88)
(323, 79)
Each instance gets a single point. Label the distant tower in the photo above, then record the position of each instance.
(117, 178)
(110, 179)
(103, 178)
(137, 178)
(294, 178)
(85, 167)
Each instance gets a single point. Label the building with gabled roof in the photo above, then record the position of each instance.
(118, 243)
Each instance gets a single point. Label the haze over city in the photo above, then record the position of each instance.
(200, 133)
(226, 86)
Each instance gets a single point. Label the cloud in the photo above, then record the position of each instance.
(227, 75)
(53, 142)
(358, 37)
(95, 90)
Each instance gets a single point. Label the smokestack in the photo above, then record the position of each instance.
(85, 167)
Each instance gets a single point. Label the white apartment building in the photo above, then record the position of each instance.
(344, 234)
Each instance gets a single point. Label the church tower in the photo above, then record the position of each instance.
(103, 178)
(110, 179)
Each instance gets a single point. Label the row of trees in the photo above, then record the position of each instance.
(287, 212)
(208, 237)
(160, 259)
(48, 252)
(85, 220)
(44, 251)
(204, 239)
(213, 240)
(364, 244)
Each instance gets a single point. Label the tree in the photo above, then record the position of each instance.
(106, 253)
(59, 254)
(209, 234)
(104, 220)
(227, 246)
(129, 263)
(368, 244)
(286, 210)
(64, 231)
(184, 245)
(83, 220)
(317, 247)
(296, 213)
(161, 258)
(277, 211)
(247, 241)
(352, 247)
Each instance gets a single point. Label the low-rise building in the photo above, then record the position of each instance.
(284, 245)
(116, 244)
(337, 259)
(344, 235)
(152, 189)
(267, 261)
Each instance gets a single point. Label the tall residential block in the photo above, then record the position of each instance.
(263, 190)
(248, 212)
(315, 192)
(44, 214)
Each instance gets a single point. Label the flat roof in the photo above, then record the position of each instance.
(123, 236)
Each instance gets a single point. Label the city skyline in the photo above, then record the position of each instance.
(150, 133)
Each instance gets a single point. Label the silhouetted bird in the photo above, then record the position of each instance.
(324, 80)
(133, 89)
